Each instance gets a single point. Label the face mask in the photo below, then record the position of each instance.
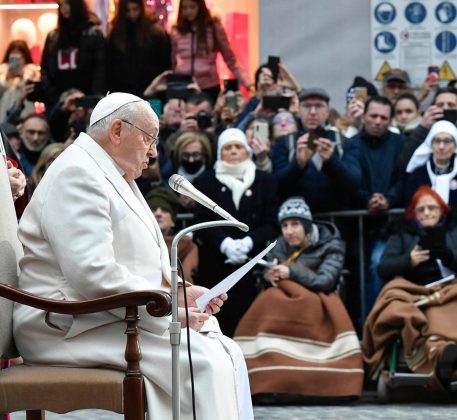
(191, 167)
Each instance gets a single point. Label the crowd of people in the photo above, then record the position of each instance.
(272, 154)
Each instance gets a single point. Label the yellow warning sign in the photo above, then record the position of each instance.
(446, 72)
(384, 68)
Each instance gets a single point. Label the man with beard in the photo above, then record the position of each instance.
(35, 135)
(381, 185)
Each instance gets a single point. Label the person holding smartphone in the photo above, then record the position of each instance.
(196, 39)
(424, 317)
(16, 69)
(316, 162)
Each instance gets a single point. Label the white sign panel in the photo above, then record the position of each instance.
(413, 36)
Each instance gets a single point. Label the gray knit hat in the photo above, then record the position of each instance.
(294, 208)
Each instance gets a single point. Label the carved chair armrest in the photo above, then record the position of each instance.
(157, 302)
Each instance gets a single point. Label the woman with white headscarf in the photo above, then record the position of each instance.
(434, 163)
(249, 195)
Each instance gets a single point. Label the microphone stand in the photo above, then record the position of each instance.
(175, 325)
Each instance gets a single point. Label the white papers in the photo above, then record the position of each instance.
(225, 285)
(443, 280)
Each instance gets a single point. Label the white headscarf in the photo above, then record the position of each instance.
(421, 157)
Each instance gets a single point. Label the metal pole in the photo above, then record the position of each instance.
(175, 325)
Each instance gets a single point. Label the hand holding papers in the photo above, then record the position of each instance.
(225, 285)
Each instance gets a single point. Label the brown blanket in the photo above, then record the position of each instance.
(424, 318)
(299, 342)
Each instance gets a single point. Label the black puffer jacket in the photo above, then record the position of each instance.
(396, 260)
(90, 74)
(319, 266)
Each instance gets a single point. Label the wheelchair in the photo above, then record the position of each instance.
(397, 383)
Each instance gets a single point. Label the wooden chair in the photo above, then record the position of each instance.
(37, 389)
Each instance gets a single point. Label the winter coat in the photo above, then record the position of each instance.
(201, 62)
(319, 266)
(396, 260)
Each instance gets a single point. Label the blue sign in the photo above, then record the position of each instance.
(445, 12)
(415, 12)
(385, 42)
(446, 42)
(385, 13)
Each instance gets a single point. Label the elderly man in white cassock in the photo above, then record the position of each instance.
(88, 233)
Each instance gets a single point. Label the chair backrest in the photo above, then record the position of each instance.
(10, 252)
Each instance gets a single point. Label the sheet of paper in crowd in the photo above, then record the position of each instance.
(225, 285)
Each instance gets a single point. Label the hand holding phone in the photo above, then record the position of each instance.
(272, 63)
(313, 135)
(274, 103)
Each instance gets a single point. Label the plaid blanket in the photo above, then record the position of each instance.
(299, 342)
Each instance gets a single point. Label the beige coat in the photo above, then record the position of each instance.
(88, 233)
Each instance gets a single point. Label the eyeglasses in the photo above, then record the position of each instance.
(194, 156)
(446, 142)
(151, 142)
(317, 107)
(283, 120)
(431, 208)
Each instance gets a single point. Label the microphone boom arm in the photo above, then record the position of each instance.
(175, 325)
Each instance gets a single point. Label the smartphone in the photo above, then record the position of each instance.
(177, 93)
(432, 238)
(313, 135)
(272, 63)
(361, 93)
(231, 101)
(14, 62)
(39, 93)
(433, 73)
(450, 115)
(156, 105)
(275, 102)
(178, 80)
(262, 130)
(87, 102)
(231, 85)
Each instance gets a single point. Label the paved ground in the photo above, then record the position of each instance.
(354, 412)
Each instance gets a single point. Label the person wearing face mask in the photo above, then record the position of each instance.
(249, 195)
(192, 154)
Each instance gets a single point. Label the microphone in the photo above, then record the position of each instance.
(183, 186)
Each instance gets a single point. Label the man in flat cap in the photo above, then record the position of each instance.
(316, 163)
(394, 83)
(87, 233)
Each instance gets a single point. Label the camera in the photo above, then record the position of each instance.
(87, 102)
(204, 120)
